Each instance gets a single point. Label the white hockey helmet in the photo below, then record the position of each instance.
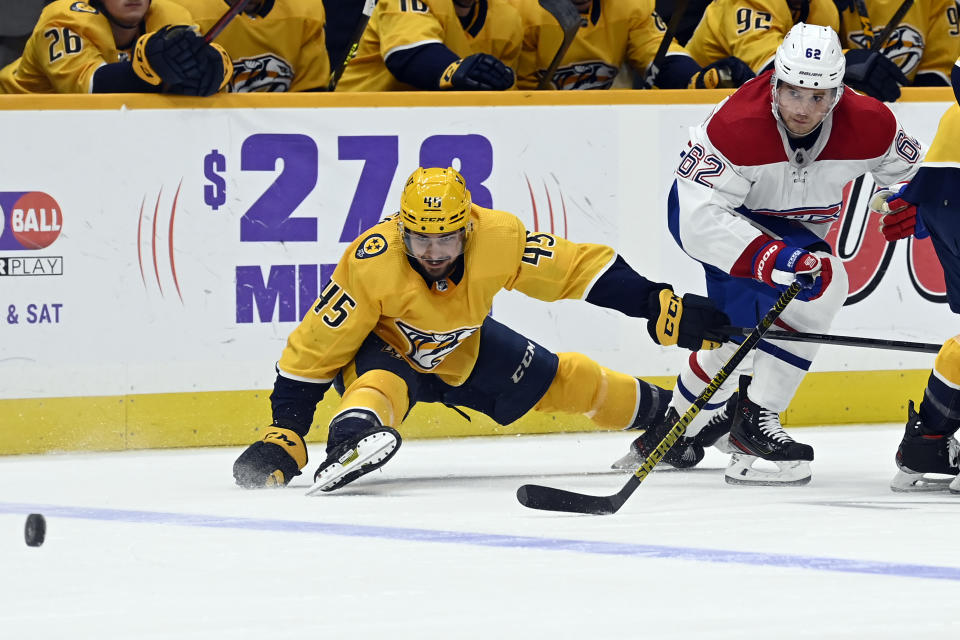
(811, 57)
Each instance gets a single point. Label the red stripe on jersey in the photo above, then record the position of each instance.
(817, 215)
(697, 369)
(744, 129)
(783, 325)
(862, 128)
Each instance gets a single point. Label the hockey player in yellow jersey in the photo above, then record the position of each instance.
(116, 46)
(612, 32)
(436, 44)
(929, 453)
(921, 48)
(751, 30)
(405, 319)
(275, 45)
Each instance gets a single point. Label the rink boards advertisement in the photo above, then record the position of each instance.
(164, 252)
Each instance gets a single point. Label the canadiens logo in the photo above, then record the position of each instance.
(428, 349)
(372, 246)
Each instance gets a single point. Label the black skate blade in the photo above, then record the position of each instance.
(536, 496)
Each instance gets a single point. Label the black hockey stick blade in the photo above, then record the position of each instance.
(892, 24)
(843, 341)
(225, 19)
(550, 499)
(568, 18)
(536, 496)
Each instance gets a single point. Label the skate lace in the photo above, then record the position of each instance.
(718, 417)
(769, 424)
(953, 452)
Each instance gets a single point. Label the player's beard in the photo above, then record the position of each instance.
(438, 271)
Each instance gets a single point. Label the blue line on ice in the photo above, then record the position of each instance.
(817, 563)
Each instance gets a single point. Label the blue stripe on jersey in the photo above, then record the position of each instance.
(689, 396)
(673, 214)
(790, 231)
(784, 355)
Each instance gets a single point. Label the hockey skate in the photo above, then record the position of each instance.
(686, 452)
(756, 434)
(921, 453)
(355, 457)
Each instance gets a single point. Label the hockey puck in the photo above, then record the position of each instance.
(35, 530)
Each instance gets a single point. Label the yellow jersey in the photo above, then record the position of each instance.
(752, 29)
(613, 32)
(927, 40)
(944, 150)
(281, 48)
(404, 24)
(434, 327)
(70, 42)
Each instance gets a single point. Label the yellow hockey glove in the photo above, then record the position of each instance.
(177, 57)
(692, 322)
(273, 461)
(722, 74)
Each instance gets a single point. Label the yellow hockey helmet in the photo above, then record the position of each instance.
(435, 200)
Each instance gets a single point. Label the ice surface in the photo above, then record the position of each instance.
(161, 544)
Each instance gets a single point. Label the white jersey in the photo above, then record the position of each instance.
(740, 184)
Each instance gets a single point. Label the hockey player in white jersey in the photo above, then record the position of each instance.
(755, 193)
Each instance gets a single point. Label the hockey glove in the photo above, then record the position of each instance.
(273, 461)
(479, 72)
(874, 74)
(216, 69)
(178, 57)
(898, 218)
(722, 74)
(692, 322)
(778, 265)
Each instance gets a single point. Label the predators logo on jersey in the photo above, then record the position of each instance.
(924, 43)
(267, 73)
(428, 349)
(904, 47)
(595, 74)
(82, 7)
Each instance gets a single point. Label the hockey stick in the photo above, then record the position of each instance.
(679, 8)
(569, 18)
(876, 41)
(224, 20)
(549, 499)
(861, 8)
(892, 24)
(844, 341)
(339, 68)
